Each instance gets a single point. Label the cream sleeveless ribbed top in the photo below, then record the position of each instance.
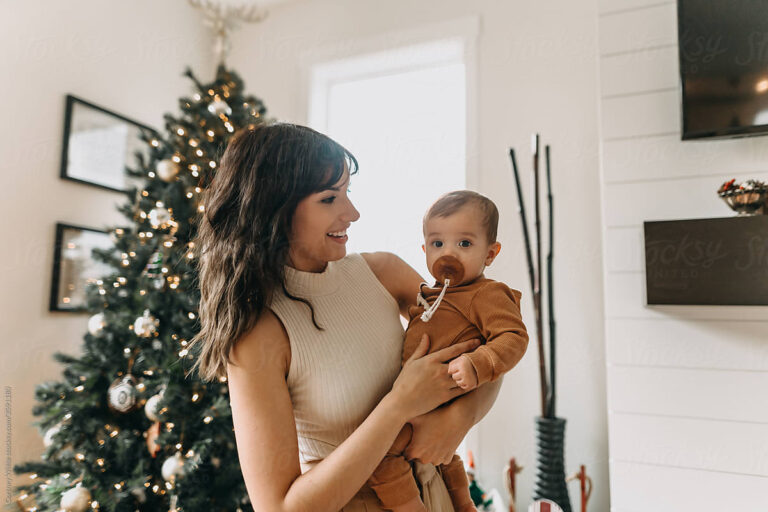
(339, 375)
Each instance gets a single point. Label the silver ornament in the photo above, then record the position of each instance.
(159, 217)
(48, 436)
(122, 395)
(173, 467)
(152, 409)
(219, 106)
(76, 499)
(167, 169)
(145, 325)
(96, 324)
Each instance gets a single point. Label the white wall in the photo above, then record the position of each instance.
(688, 413)
(537, 71)
(127, 57)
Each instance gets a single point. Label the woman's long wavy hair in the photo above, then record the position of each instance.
(243, 234)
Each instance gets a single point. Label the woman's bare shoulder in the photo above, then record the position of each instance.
(266, 342)
(397, 276)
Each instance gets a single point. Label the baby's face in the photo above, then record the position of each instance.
(461, 236)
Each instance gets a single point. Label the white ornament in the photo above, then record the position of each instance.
(173, 467)
(76, 499)
(145, 325)
(151, 408)
(122, 394)
(96, 324)
(219, 106)
(48, 436)
(167, 169)
(159, 217)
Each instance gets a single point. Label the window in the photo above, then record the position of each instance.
(402, 113)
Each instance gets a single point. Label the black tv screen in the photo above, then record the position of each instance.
(723, 47)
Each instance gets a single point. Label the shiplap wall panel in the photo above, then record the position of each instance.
(693, 393)
(638, 29)
(626, 204)
(663, 441)
(642, 115)
(648, 488)
(624, 249)
(625, 298)
(686, 384)
(667, 157)
(647, 70)
(613, 7)
(726, 345)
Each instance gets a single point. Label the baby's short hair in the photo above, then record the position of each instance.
(450, 203)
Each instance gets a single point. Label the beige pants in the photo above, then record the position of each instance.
(434, 494)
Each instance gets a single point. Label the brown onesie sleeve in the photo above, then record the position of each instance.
(495, 310)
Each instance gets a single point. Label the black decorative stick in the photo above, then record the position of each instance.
(550, 297)
(521, 210)
(538, 290)
(536, 306)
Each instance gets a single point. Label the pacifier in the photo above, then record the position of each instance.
(447, 270)
(448, 267)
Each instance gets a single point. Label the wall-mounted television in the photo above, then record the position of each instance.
(723, 48)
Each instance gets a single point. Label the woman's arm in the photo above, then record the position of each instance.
(438, 433)
(265, 430)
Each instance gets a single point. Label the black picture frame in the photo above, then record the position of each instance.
(69, 277)
(112, 142)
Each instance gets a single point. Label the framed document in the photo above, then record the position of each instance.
(73, 266)
(98, 145)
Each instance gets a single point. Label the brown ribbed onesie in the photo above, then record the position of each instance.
(485, 309)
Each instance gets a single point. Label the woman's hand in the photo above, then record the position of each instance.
(437, 435)
(424, 381)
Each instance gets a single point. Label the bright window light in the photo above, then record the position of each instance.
(402, 113)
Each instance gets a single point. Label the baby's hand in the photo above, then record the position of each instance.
(463, 373)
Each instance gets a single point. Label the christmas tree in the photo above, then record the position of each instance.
(129, 427)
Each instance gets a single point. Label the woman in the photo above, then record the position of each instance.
(309, 337)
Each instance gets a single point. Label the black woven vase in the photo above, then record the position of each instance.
(550, 466)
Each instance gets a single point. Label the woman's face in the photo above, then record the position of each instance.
(319, 230)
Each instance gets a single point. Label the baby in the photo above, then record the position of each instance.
(460, 241)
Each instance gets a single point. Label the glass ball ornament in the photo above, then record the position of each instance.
(219, 106)
(152, 407)
(48, 436)
(76, 499)
(167, 169)
(146, 325)
(159, 217)
(96, 324)
(173, 467)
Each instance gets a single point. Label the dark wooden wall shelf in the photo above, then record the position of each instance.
(721, 261)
